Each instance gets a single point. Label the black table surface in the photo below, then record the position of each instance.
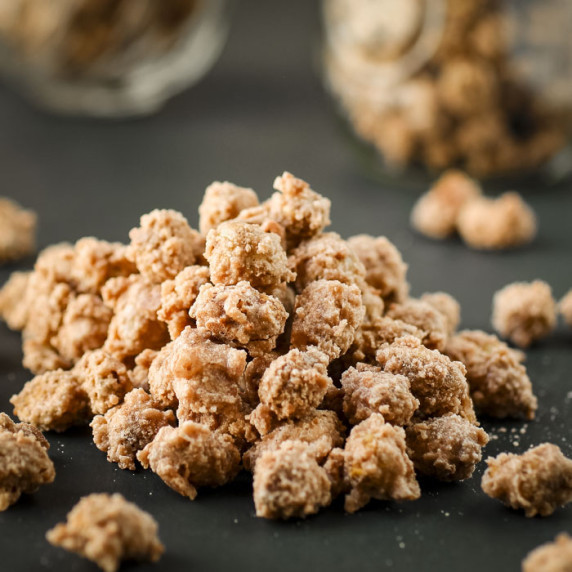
(260, 111)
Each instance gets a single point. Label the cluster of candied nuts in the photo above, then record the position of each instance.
(525, 312)
(17, 231)
(455, 203)
(81, 36)
(260, 342)
(438, 85)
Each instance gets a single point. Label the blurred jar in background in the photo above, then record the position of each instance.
(109, 57)
(482, 85)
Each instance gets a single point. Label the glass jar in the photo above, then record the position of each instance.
(109, 57)
(481, 85)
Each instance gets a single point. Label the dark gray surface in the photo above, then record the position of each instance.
(260, 111)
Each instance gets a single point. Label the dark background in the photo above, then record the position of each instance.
(260, 111)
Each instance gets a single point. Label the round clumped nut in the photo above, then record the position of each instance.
(500, 386)
(447, 305)
(223, 201)
(163, 245)
(538, 481)
(435, 213)
(238, 251)
(524, 312)
(489, 224)
(289, 482)
(384, 267)
(550, 557)
(447, 448)
(565, 307)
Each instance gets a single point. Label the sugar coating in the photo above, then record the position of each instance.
(135, 325)
(96, 261)
(435, 213)
(373, 334)
(163, 245)
(368, 390)
(325, 257)
(437, 382)
(139, 375)
(301, 211)
(447, 306)
(27, 429)
(13, 300)
(376, 465)
(250, 381)
(295, 383)
(107, 529)
(538, 481)
(327, 315)
(191, 456)
(240, 315)
(84, 327)
(489, 224)
(53, 401)
(238, 251)
(500, 386)
(223, 201)
(17, 231)
(323, 430)
(41, 358)
(564, 306)
(177, 297)
(524, 312)
(550, 557)
(24, 463)
(128, 428)
(289, 482)
(384, 266)
(425, 317)
(104, 379)
(447, 448)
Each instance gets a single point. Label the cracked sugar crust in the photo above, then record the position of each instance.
(325, 257)
(301, 211)
(53, 401)
(384, 266)
(437, 382)
(84, 327)
(14, 302)
(524, 312)
(191, 456)
(447, 448)
(500, 386)
(322, 429)
(447, 306)
(24, 464)
(376, 465)
(135, 326)
(550, 557)
(128, 428)
(104, 379)
(238, 251)
(288, 482)
(368, 390)
(107, 529)
(435, 213)
(295, 384)
(496, 224)
(373, 334)
(240, 316)
(96, 261)
(177, 297)
(17, 231)
(327, 315)
(425, 317)
(163, 245)
(27, 429)
(224, 201)
(538, 481)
